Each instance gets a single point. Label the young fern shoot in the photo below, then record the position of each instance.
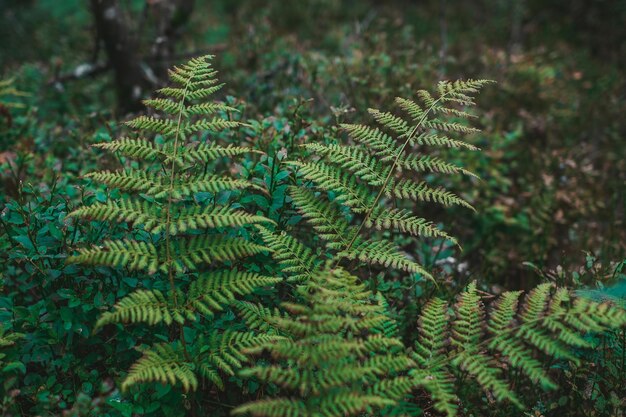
(188, 237)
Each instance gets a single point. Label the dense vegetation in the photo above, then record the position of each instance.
(350, 219)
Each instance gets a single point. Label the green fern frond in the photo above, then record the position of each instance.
(295, 259)
(479, 345)
(367, 176)
(206, 153)
(146, 306)
(124, 253)
(353, 159)
(163, 363)
(329, 178)
(384, 253)
(198, 217)
(195, 250)
(404, 221)
(258, 317)
(212, 291)
(132, 180)
(139, 149)
(186, 230)
(326, 359)
(326, 219)
(415, 191)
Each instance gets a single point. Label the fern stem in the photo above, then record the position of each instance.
(410, 137)
(168, 218)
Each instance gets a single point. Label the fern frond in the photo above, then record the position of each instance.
(404, 221)
(139, 149)
(124, 253)
(480, 346)
(132, 180)
(326, 360)
(326, 219)
(353, 159)
(295, 259)
(384, 253)
(198, 217)
(205, 153)
(427, 163)
(186, 230)
(163, 363)
(195, 250)
(422, 192)
(131, 211)
(145, 306)
(203, 184)
(258, 317)
(373, 138)
(212, 291)
(390, 121)
(329, 178)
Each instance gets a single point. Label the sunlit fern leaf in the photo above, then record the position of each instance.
(201, 183)
(328, 361)
(198, 217)
(421, 191)
(223, 352)
(145, 306)
(477, 345)
(259, 317)
(433, 139)
(206, 153)
(148, 183)
(353, 159)
(373, 137)
(129, 210)
(427, 163)
(139, 149)
(165, 363)
(195, 250)
(214, 290)
(296, 260)
(125, 253)
(384, 253)
(329, 178)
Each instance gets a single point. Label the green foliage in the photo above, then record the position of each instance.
(463, 341)
(380, 169)
(184, 234)
(335, 360)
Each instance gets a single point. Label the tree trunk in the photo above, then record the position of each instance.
(122, 53)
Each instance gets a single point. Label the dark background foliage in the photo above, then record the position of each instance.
(551, 204)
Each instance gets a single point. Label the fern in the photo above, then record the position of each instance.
(186, 236)
(476, 344)
(382, 166)
(330, 363)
